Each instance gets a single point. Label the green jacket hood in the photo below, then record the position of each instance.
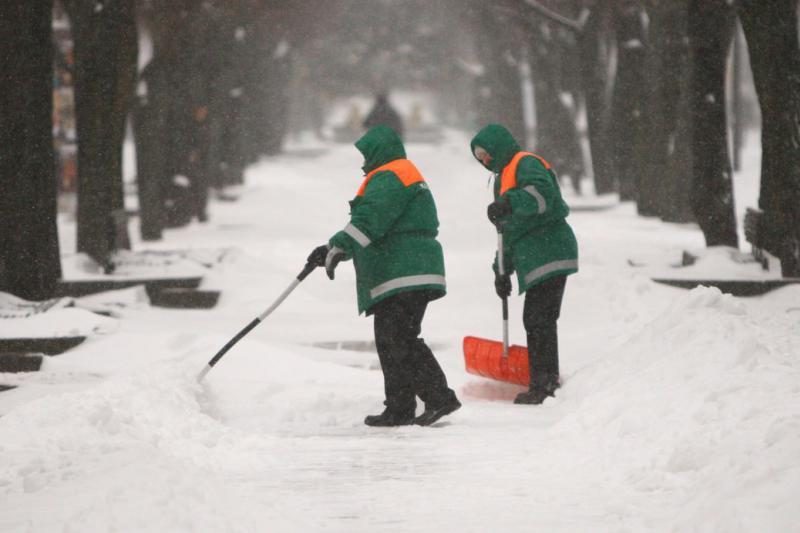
(499, 143)
(379, 146)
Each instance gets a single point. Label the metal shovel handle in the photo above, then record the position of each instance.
(256, 321)
(502, 271)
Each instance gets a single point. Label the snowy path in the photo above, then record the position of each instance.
(680, 410)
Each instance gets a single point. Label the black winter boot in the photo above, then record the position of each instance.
(388, 418)
(432, 414)
(541, 387)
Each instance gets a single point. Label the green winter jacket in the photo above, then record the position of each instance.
(538, 243)
(391, 236)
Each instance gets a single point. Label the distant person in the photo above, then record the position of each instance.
(538, 244)
(399, 265)
(383, 114)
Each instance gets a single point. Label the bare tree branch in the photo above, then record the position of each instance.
(574, 25)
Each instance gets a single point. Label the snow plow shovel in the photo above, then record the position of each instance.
(484, 357)
(256, 321)
(493, 359)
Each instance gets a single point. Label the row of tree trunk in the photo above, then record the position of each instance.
(649, 74)
(651, 77)
(211, 100)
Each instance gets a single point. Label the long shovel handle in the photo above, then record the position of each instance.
(502, 271)
(256, 321)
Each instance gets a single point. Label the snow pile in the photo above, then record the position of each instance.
(64, 322)
(146, 454)
(697, 407)
(722, 262)
(277, 389)
(80, 267)
(116, 302)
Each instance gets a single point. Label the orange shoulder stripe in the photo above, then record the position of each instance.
(508, 178)
(405, 170)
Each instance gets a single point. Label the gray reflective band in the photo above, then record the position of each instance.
(356, 234)
(567, 264)
(530, 189)
(407, 281)
(331, 254)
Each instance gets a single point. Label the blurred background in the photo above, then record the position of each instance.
(168, 101)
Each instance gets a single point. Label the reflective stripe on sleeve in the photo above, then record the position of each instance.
(566, 264)
(530, 189)
(357, 235)
(407, 281)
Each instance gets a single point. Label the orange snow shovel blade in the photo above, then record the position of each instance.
(484, 357)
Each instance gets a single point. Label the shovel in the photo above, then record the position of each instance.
(256, 321)
(494, 359)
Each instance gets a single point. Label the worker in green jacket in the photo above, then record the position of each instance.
(391, 238)
(538, 245)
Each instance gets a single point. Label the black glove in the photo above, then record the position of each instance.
(498, 209)
(317, 257)
(502, 285)
(333, 257)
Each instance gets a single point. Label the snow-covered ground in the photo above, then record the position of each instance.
(680, 410)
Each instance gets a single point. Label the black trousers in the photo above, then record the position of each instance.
(409, 366)
(540, 317)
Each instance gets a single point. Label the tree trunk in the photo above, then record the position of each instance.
(628, 113)
(711, 24)
(180, 72)
(151, 125)
(29, 264)
(255, 124)
(105, 71)
(676, 186)
(772, 40)
(656, 121)
(227, 103)
(277, 52)
(594, 77)
(485, 100)
(666, 180)
(556, 133)
(199, 55)
(500, 87)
